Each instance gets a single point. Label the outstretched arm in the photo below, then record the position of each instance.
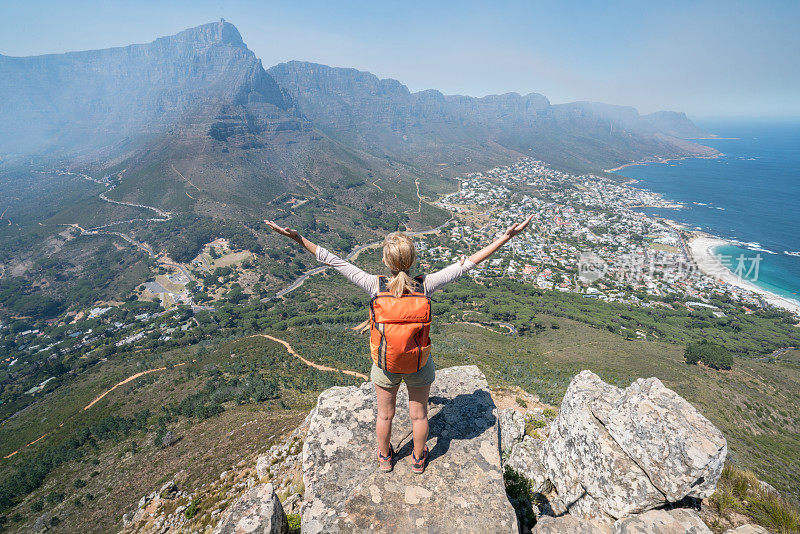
(367, 282)
(510, 232)
(453, 272)
(294, 235)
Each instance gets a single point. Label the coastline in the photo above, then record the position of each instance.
(702, 246)
(663, 160)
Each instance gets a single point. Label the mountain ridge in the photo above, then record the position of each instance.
(165, 77)
(359, 107)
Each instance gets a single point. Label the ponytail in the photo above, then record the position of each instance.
(401, 283)
(399, 255)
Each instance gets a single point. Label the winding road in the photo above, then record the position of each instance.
(309, 363)
(162, 216)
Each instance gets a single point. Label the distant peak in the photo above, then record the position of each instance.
(213, 32)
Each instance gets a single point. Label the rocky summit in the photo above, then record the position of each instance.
(638, 460)
(462, 489)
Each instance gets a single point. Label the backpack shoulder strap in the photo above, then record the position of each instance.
(382, 287)
(420, 280)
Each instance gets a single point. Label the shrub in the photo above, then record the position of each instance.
(711, 354)
(55, 497)
(532, 424)
(294, 523)
(191, 510)
(740, 491)
(521, 495)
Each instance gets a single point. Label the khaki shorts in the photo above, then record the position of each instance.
(423, 377)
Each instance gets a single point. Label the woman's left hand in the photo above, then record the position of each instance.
(514, 229)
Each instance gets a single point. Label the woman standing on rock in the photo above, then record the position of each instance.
(400, 318)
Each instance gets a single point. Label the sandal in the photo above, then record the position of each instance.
(418, 465)
(385, 463)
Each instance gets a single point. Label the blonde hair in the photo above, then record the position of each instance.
(399, 255)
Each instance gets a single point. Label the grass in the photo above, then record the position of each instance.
(739, 491)
(294, 523)
(521, 495)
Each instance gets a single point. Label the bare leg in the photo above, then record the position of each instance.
(418, 410)
(383, 425)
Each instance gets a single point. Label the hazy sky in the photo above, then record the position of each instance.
(708, 58)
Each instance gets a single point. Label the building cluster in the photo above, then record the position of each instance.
(587, 236)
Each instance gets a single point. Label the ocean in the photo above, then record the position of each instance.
(751, 196)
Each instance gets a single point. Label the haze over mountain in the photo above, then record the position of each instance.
(205, 84)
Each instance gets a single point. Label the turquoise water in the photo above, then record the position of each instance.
(750, 195)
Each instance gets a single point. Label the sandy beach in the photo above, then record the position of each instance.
(702, 246)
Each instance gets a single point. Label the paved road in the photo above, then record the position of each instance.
(775, 354)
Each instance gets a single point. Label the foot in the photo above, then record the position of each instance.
(418, 464)
(385, 463)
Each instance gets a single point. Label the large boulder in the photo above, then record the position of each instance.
(679, 449)
(590, 471)
(613, 453)
(258, 510)
(677, 521)
(462, 489)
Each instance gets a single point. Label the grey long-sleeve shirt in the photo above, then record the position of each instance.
(369, 282)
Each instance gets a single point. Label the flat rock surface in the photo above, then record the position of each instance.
(462, 489)
(678, 521)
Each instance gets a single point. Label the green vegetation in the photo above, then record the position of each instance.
(31, 474)
(252, 372)
(294, 523)
(183, 236)
(740, 491)
(711, 354)
(98, 270)
(191, 510)
(521, 495)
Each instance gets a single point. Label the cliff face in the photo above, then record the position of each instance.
(96, 98)
(199, 125)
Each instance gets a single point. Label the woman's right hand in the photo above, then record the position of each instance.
(284, 230)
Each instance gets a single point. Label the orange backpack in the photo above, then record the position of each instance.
(399, 329)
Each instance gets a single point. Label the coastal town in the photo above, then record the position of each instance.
(588, 237)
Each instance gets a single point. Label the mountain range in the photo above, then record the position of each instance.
(197, 124)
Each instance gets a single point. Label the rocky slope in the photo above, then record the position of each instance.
(622, 461)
